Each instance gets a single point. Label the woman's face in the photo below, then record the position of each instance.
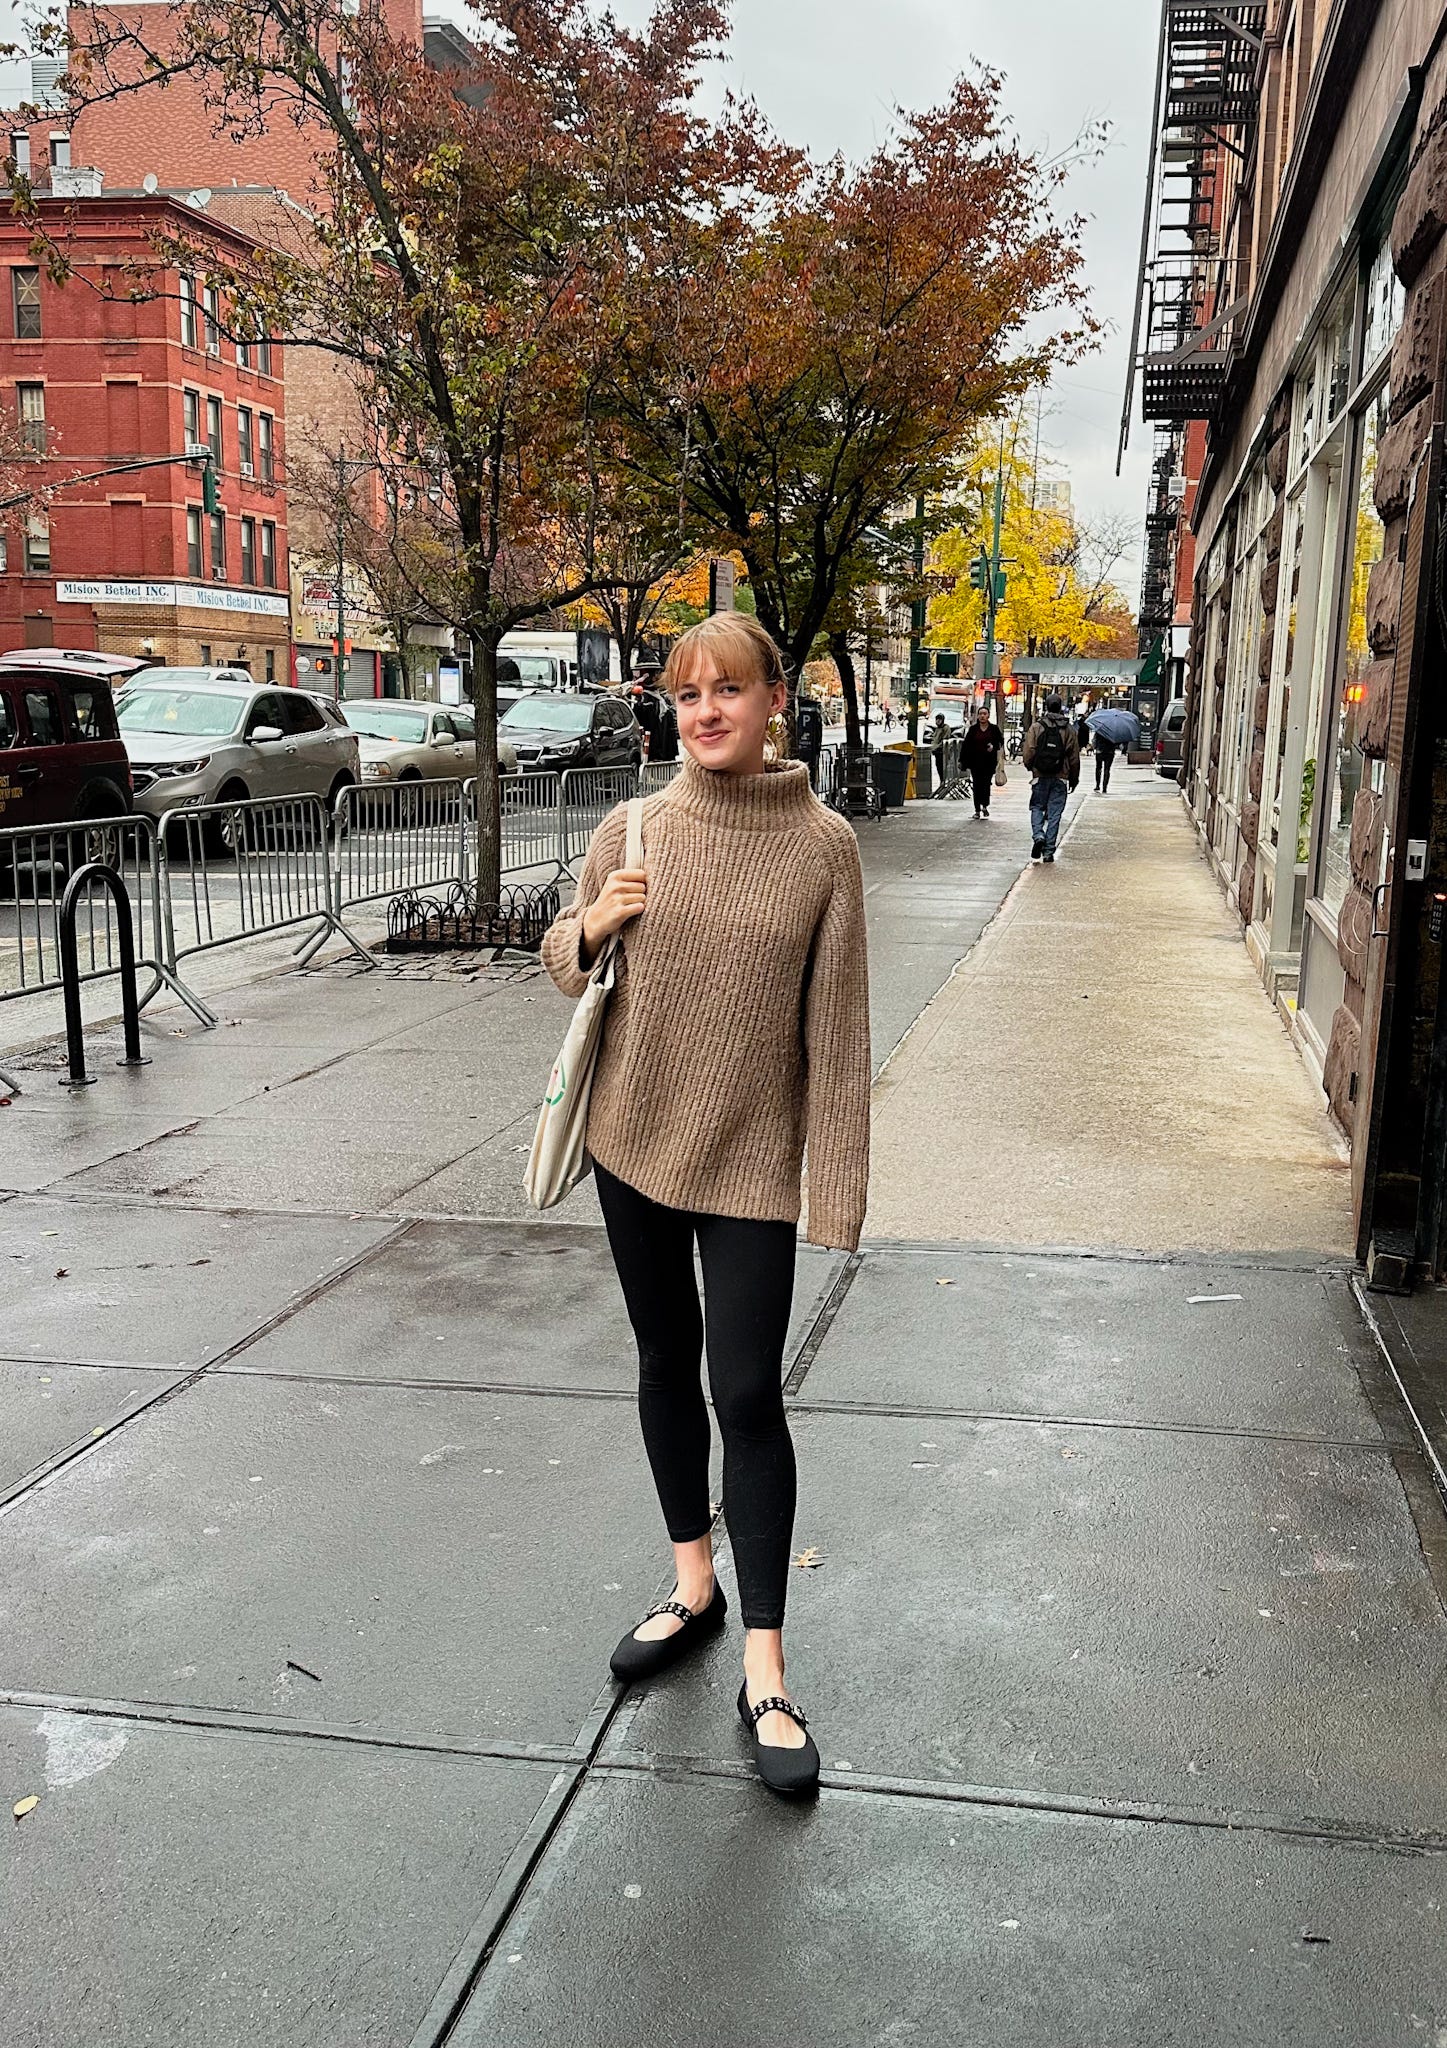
(722, 719)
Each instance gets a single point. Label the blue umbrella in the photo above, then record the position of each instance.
(1121, 728)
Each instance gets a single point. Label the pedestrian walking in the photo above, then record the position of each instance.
(1104, 755)
(736, 1035)
(1052, 754)
(982, 751)
(936, 739)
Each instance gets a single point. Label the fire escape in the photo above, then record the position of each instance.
(1193, 274)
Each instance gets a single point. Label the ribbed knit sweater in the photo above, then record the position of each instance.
(738, 1028)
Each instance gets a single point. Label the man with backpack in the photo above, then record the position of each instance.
(1052, 754)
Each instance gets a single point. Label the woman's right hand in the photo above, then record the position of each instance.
(622, 898)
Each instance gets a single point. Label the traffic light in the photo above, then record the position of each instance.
(1002, 584)
(209, 499)
(1008, 686)
(980, 571)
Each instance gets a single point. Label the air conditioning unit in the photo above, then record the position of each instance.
(247, 469)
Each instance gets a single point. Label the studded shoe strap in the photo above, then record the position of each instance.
(776, 1705)
(673, 1607)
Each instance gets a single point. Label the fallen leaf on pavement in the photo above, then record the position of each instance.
(809, 1560)
(944, 1283)
(61, 1272)
(24, 1806)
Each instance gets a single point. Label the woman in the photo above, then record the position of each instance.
(980, 751)
(737, 1030)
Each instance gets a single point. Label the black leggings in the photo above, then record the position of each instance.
(748, 1286)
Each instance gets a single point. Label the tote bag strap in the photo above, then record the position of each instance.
(633, 849)
(632, 858)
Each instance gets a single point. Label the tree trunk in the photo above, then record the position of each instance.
(844, 662)
(488, 807)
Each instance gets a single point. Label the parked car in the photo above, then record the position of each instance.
(61, 752)
(198, 736)
(403, 739)
(1170, 738)
(572, 731)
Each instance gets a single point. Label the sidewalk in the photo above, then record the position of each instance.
(322, 1505)
(1105, 1069)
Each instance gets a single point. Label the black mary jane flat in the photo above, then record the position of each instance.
(634, 1659)
(792, 1772)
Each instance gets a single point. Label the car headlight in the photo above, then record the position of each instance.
(176, 767)
(376, 771)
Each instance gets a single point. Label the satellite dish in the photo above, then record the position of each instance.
(149, 182)
(201, 196)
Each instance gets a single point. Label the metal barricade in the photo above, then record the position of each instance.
(237, 871)
(35, 866)
(532, 826)
(953, 780)
(588, 795)
(657, 775)
(393, 837)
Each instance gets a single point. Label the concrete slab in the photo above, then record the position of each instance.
(99, 1281)
(487, 1182)
(42, 1146)
(1232, 1346)
(521, 1305)
(1110, 1129)
(1178, 1619)
(49, 1407)
(452, 1100)
(189, 1076)
(675, 1915)
(263, 1163)
(239, 1890)
(360, 1007)
(444, 1562)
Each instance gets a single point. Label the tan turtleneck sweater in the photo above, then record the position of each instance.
(739, 1025)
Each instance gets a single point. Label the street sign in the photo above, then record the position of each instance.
(722, 585)
(318, 594)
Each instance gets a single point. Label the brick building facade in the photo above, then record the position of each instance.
(134, 562)
(1312, 352)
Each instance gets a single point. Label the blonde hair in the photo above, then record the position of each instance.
(737, 644)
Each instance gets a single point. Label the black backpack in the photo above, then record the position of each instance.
(1051, 751)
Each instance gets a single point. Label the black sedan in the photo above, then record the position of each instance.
(550, 730)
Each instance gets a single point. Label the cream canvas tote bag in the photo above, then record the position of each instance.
(559, 1158)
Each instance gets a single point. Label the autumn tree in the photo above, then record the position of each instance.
(471, 252)
(808, 370)
(1059, 597)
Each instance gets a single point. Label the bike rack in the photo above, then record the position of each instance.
(79, 882)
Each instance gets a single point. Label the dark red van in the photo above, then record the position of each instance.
(61, 752)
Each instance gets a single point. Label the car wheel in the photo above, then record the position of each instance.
(337, 830)
(230, 832)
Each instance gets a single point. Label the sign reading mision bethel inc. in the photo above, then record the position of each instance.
(204, 597)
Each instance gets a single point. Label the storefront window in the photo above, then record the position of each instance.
(1345, 766)
(1306, 411)
(1386, 300)
(1290, 595)
(1336, 359)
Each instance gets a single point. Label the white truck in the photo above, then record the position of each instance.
(549, 661)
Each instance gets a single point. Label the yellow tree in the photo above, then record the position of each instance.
(1059, 598)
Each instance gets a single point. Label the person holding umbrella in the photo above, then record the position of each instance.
(1111, 730)
(1052, 754)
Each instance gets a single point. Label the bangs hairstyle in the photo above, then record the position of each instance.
(737, 645)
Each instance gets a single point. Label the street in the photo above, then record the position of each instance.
(1118, 1600)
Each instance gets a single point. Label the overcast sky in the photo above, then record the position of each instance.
(828, 73)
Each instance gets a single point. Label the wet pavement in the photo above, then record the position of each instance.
(1118, 1612)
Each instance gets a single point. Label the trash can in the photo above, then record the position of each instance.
(890, 769)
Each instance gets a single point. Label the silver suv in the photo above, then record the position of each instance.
(206, 736)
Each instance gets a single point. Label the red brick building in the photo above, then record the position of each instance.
(133, 562)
